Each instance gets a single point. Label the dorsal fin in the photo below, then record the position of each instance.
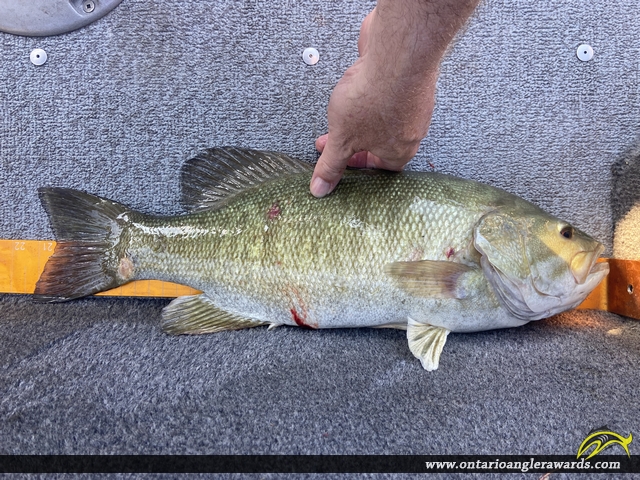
(216, 174)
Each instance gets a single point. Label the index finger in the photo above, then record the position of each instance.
(329, 169)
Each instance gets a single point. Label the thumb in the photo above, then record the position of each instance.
(329, 168)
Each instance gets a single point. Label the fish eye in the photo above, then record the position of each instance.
(567, 232)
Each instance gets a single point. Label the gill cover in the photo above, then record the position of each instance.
(530, 279)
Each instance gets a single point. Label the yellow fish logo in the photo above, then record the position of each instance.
(602, 438)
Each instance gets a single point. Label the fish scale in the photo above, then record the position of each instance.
(420, 251)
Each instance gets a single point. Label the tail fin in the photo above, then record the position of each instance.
(86, 259)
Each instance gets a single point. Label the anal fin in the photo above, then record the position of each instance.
(426, 343)
(195, 314)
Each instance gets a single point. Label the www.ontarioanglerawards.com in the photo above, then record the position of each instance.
(523, 466)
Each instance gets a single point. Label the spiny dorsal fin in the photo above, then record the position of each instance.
(195, 314)
(430, 278)
(426, 343)
(219, 173)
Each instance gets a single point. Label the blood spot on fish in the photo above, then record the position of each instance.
(274, 211)
(125, 268)
(298, 307)
(450, 252)
(299, 320)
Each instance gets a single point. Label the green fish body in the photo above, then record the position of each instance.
(425, 252)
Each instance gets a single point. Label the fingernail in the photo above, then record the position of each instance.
(319, 187)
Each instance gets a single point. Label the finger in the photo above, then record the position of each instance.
(321, 141)
(366, 159)
(362, 159)
(329, 169)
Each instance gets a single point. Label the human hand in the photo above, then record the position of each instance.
(376, 119)
(381, 108)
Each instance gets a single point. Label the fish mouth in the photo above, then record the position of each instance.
(585, 263)
(527, 302)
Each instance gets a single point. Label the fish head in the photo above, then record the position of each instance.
(537, 264)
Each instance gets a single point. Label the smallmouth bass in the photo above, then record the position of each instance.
(425, 252)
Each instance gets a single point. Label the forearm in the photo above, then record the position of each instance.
(412, 35)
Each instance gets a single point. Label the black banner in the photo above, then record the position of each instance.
(317, 464)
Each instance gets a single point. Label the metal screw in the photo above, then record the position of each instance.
(585, 52)
(310, 56)
(38, 57)
(88, 6)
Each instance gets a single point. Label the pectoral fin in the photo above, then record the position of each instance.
(430, 278)
(426, 343)
(197, 314)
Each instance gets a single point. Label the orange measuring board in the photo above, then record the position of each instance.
(22, 263)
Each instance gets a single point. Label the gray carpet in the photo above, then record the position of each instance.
(98, 376)
(123, 102)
